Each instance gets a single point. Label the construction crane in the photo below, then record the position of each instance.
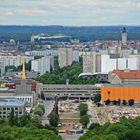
(23, 69)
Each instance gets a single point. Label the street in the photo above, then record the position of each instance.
(93, 113)
(48, 104)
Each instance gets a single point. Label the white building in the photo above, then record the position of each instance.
(6, 105)
(124, 37)
(108, 64)
(65, 56)
(43, 64)
(75, 55)
(91, 62)
(13, 60)
(97, 63)
(42, 53)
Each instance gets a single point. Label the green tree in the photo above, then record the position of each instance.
(107, 102)
(11, 118)
(24, 120)
(16, 120)
(83, 108)
(38, 111)
(124, 102)
(131, 102)
(53, 119)
(94, 126)
(59, 76)
(11, 67)
(84, 120)
(27, 133)
(97, 98)
(42, 107)
(35, 119)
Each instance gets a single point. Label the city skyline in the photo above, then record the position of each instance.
(70, 12)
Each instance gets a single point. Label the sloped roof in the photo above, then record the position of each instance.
(127, 74)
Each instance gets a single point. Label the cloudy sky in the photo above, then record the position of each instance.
(70, 12)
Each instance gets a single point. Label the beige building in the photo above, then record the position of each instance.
(124, 77)
(70, 91)
(64, 56)
(91, 62)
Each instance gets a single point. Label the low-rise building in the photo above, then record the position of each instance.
(115, 92)
(124, 77)
(70, 91)
(6, 106)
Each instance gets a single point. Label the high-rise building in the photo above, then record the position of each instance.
(43, 64)
(96, 63)
(91, 62)
(12, 60)
(124, 37)
(65, 56)
(75, 55)
(32, 42)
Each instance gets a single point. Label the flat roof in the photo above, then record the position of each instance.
(14, 94)
(11, 102)
(122, 85)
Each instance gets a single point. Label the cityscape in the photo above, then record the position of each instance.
(69, 80)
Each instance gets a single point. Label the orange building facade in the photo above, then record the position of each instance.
(120, 92)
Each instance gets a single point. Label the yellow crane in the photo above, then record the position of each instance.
(23, 69)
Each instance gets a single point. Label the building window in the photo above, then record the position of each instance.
(16, 108)
(4, 108)
(20, 112)
(4, 112)
(108, 92)
(8, 108)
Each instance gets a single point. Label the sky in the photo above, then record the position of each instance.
(70, 12)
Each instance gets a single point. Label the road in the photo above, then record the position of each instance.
(49, 104)
(93, 113)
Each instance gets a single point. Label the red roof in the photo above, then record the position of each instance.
(128, 74)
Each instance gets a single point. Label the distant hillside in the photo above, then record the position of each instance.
(23, 33)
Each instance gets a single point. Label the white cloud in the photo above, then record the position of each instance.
(31, 12)
(9, 13)
(70, 11)
(137, 5)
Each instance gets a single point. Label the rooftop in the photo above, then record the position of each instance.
(122, 85)
(128, 74)
(11, 102)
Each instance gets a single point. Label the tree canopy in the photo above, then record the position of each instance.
(126, 129)
(83, 108)
(59, 76)
(53, 119)
(24, 133)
